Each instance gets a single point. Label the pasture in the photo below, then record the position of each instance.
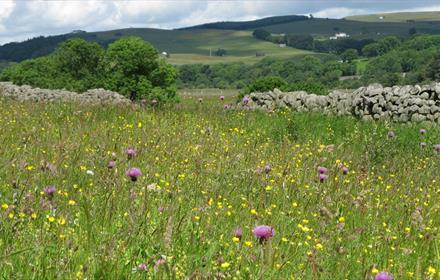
(398, 17)
(343, 199)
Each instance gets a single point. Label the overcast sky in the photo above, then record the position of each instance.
(23, 19)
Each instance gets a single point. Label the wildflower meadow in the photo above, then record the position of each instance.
(204, 191)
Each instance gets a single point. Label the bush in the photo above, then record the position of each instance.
(129, 66)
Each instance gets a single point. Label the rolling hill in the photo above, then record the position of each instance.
(398, 17)
(194, 44)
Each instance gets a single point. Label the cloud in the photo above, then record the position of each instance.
(339, 12)
(21, 20)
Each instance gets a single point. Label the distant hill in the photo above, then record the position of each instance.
(194, 44)
(247, 25)
(398, 17)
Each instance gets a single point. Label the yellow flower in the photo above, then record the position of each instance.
(431, 270)
(248, 243)
(225, 265)
(375, 271)
(51, 219)
(341, 219)
(11, 215)
(5, 206)
(61, 221)
(253, 212)
(34, 216)
(72, 202)
(236, 239)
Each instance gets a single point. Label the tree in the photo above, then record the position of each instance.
(261, 34)
(349, 55)
(432, 70)
(220, 52)
(371, 50)
(299, 41)
(132, 68)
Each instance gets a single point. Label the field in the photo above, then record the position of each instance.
(209, 177)
(398, 17)
(195, 46)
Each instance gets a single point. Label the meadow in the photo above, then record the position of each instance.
(398, 17)
(177, 193)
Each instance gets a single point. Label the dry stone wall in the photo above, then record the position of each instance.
(375, 102)
(93, 96)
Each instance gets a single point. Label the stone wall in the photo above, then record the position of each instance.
(398, 103)
(93, 96)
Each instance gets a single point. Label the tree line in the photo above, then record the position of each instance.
(129, 66)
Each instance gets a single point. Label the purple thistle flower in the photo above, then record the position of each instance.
(161, 209)
(142, 267)
(222, 97)
(50, 191)
(130, 152)
(133, 173)
(322, 177)
(227, 106)
(423, 131)
(246, 100)
(322, 170)
(344, 170)
(383, 276)
(437, 147)
(111, 164)
(159, 262)
(267, 168)
(238, 232)
(263, 232)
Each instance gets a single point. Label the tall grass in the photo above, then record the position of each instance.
(202, 178)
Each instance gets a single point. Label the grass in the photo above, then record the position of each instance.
(398, 17)
(200, 181)
(194, 46)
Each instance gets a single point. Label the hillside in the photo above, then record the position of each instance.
(194, 44)
(183, 45)
(398, 17)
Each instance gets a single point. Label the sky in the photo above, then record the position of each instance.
(24, 19)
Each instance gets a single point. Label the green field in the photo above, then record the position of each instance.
(207, 172)
(398, 17)
(195, 46)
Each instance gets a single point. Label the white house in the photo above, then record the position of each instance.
(339, 36)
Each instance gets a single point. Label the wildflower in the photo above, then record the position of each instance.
(391, 134)
(322, 177)
(423, 131)
(246, 100)
(267, 168)
(263, 232)
(222, 97)
(111, 164)
(159, 262)
(423, 144)
(130, 152)
(50, 191)
(71, 202)
(238, 232)
(437, 147)
(142, 267)
(133, 173)
(5, 206)
(225, 265)
(90, 172)
(344, 170)
(383, 276)
(227, 106)
(322, 170)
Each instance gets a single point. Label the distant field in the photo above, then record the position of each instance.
(398, 17)
(192, 46)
